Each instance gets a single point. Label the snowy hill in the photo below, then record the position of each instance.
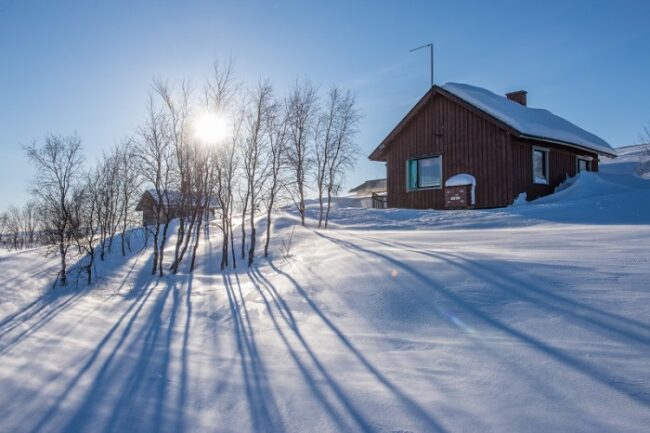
(628, 160)
(533, 318)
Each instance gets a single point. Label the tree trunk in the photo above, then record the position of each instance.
(64, 276)
(268, 226)
(329, 205)
(163, 240)
(320, 206)
(243, 230)
(301, 193)
(188, 237)
(154, 269)
(196, 244)
(179, 241)
(225, 228)
(232, 244)
(251, 251)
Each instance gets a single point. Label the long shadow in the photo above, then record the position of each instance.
(572, 362)
(137, 393)
(181, 401)
(32, 309)
(261, 402)
(551, 300)
(479, 343)
(411, 405)
(607, 324)
(111, 372)
(136, 307)
(43, 309)
(359, 420)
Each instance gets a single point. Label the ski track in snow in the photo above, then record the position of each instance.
(506, 320)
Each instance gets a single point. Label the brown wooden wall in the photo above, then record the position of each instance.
(562, 163)
(470, 143)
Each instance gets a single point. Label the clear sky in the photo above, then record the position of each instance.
(87, 66)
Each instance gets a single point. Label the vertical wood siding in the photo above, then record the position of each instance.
(562, 164)
(469, 143)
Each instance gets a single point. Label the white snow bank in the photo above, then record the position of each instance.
(520, 200)
(528, 326)
(461, 180)
(631, 160)
(589, 198)
(533, 122)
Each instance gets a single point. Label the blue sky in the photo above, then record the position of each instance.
(87, 66)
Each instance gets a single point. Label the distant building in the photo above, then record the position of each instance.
(498, 144)
(371, 193)
(171, 202)
(366, 189)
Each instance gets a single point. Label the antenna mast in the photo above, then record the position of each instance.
(430, 45)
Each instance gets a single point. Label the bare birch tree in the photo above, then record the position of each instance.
(29, 219)
(86, 219)
(277, 138)
(130, 182)
(58, 164)
(301, 109)
(219, 97)
(4, 222)
(178, 110)
(342, 155)
(643, 168)
(14, 227)
(255, 161)
(155, 155)
(323, 145)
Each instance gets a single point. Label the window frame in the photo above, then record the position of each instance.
(546, 151)
(585, 159)
(417, 176)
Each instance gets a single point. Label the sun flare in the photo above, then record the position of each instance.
(211, 128)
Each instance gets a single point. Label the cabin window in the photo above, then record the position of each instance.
(540, 165)
(424, 172)
(583, 165)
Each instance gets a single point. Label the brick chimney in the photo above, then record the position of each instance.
(519, 96)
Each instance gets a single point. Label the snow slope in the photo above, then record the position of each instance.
(534, 318)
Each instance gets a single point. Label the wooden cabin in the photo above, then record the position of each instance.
(462, 146)
(172, 206)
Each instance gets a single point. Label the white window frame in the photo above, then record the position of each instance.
(587, 159)
(547, 173)
(416, 158)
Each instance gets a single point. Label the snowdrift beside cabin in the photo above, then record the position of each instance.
(588, 198)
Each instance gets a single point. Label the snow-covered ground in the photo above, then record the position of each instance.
(534, 318)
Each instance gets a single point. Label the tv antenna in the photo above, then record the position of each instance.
(430, 45)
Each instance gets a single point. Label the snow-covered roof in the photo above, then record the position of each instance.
(174, 198)
(373, 185)
(531, 122)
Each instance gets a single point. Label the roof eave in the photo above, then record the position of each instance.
(565, 143)
(379, 153)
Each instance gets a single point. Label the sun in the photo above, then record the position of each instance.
(211, 128)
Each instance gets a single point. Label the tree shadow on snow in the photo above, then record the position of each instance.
(280, 312)
(614, 326)
(122, 394)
